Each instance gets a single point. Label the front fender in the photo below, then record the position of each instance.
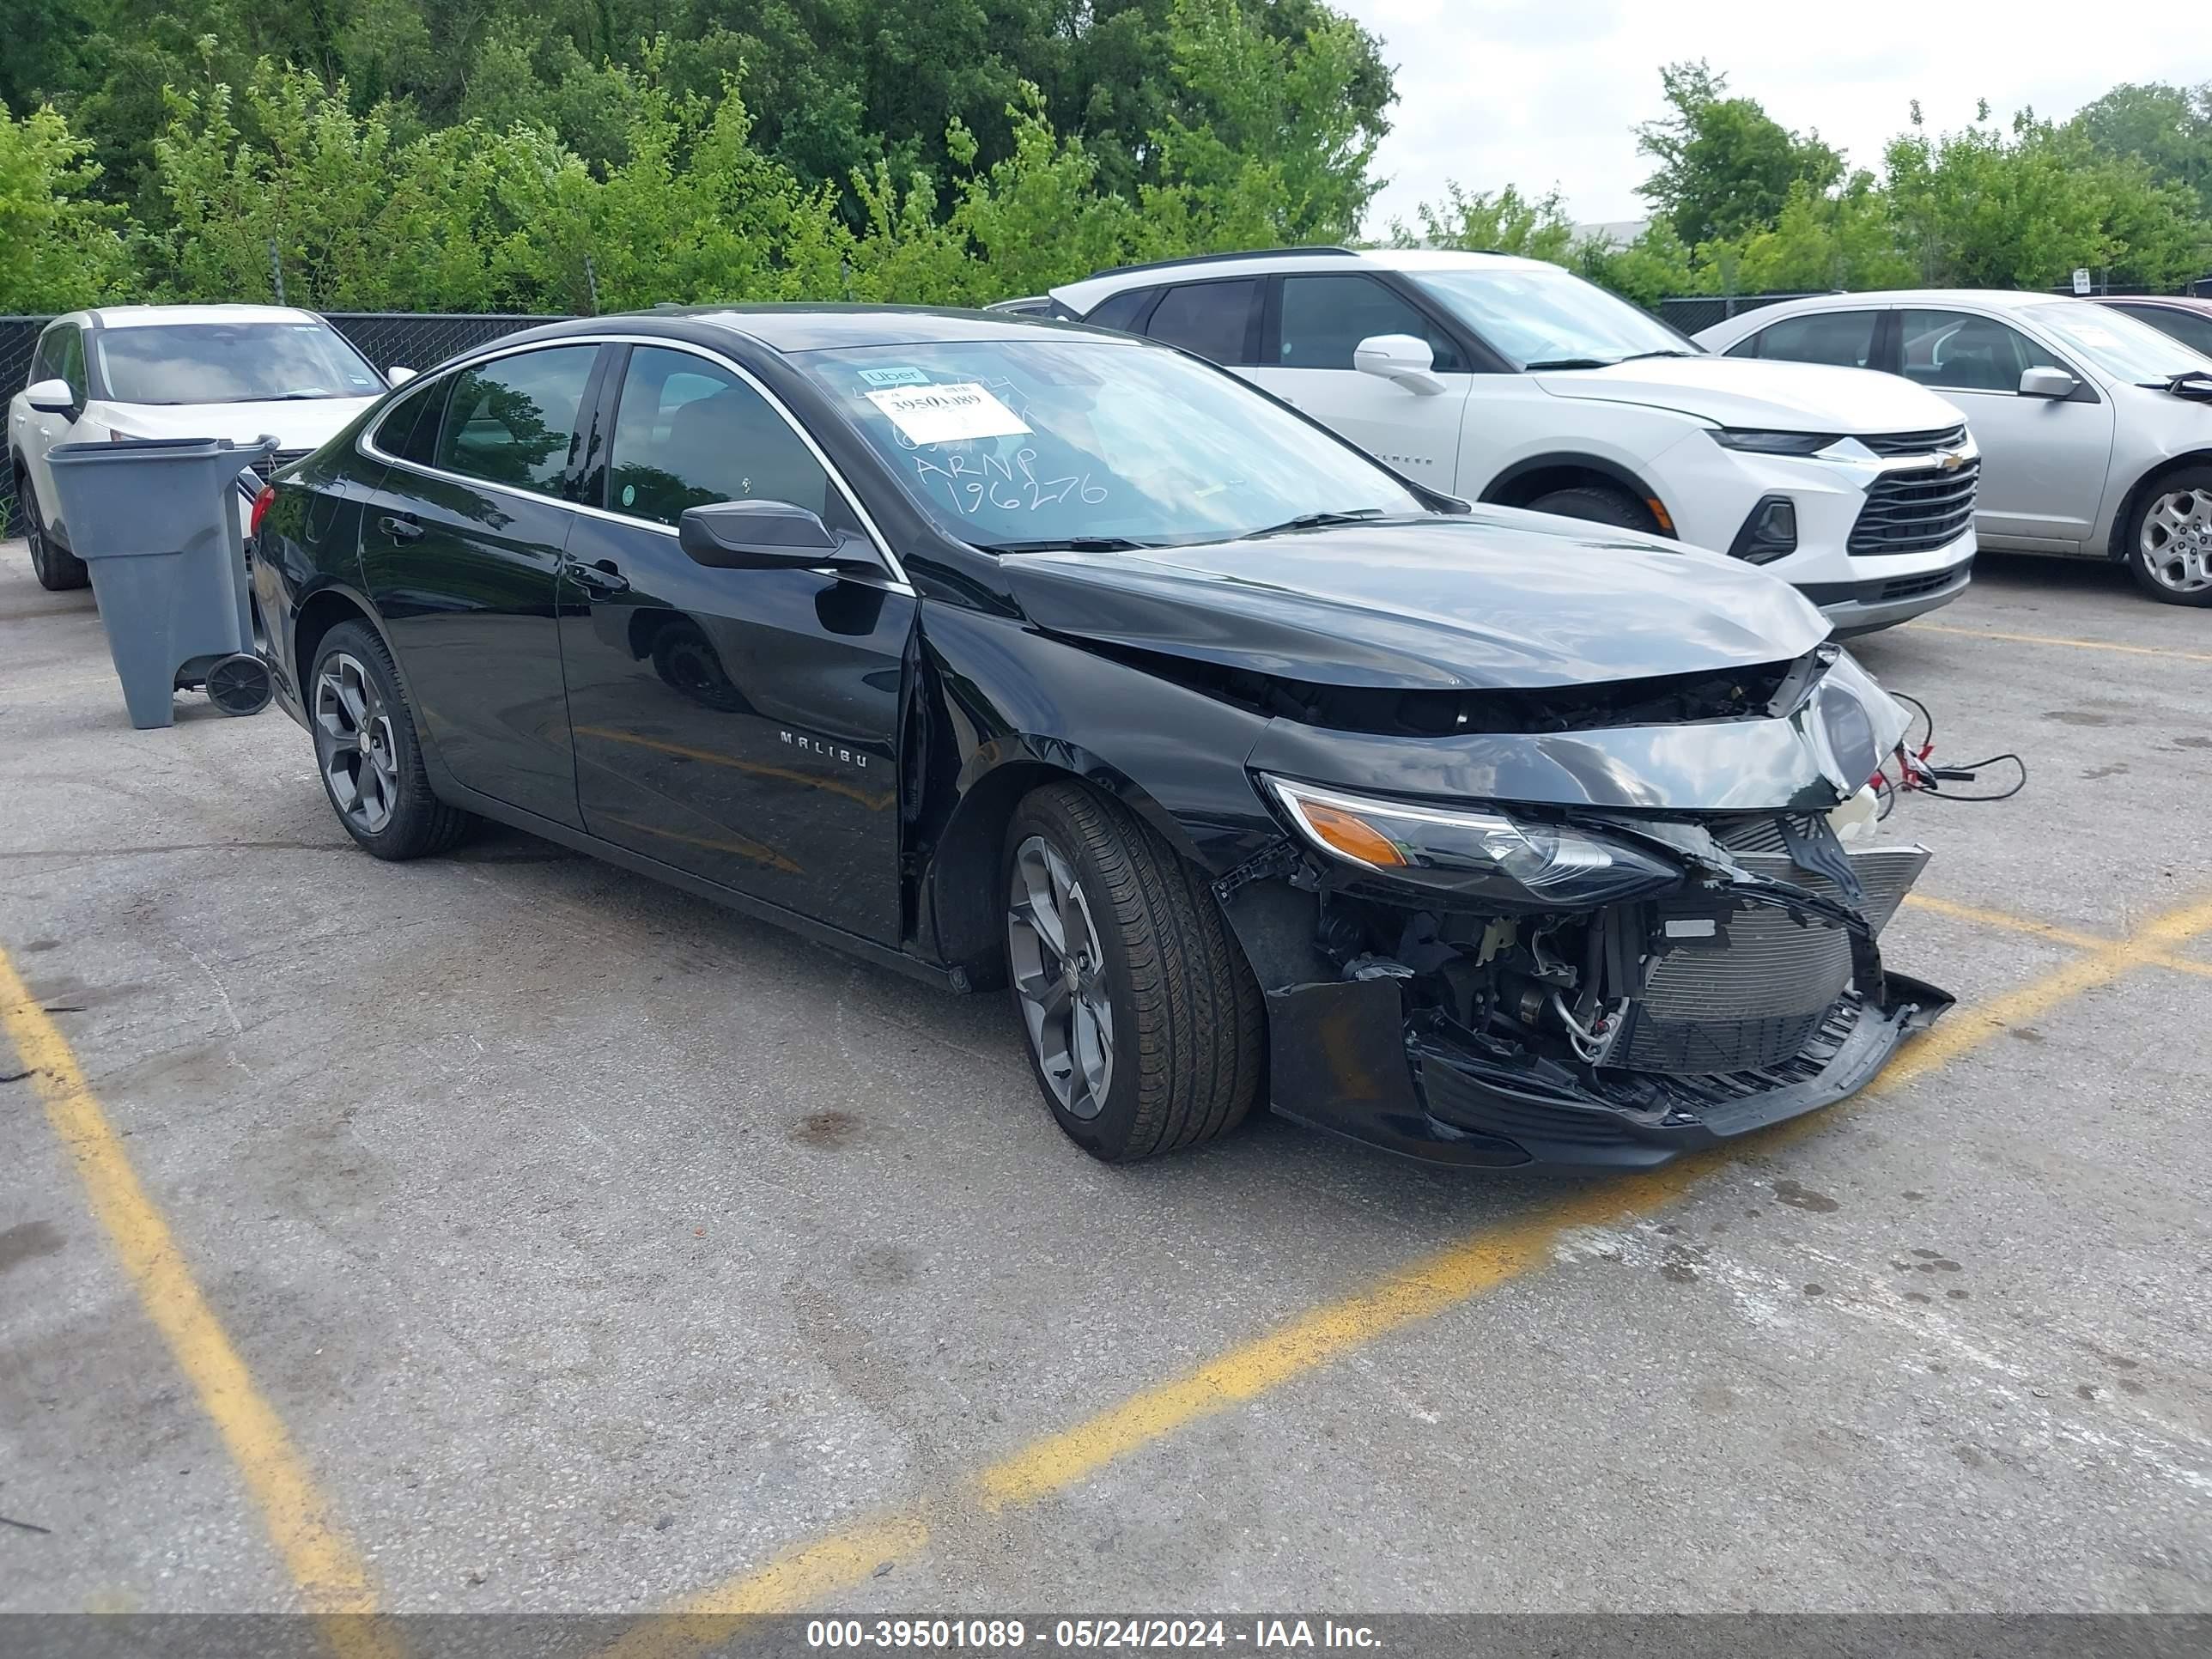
(1017, 708)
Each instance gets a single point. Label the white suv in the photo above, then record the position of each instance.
(1512, 381)
(235, 372)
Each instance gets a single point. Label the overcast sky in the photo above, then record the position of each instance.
(1541, 93)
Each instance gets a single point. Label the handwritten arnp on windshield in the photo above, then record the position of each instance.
(1008, 483)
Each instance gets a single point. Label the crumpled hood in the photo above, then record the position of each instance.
(1778, 396)
(1497, 600)
(295, 423)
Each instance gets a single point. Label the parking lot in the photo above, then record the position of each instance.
(506, 1232)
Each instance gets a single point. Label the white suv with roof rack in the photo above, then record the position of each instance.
(235, 372)
(1514, 382)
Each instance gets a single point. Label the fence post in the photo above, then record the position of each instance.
(275, 271)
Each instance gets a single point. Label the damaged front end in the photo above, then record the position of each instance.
(1668, 945)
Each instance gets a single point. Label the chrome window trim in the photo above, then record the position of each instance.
(366, 445)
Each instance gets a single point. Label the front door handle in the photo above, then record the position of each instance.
(400, 529)
(601, 578)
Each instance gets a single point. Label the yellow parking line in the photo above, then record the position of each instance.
(332, 1579)
(1445, 1280)
(2066, 936)
(2055, 639)
(823, 1568)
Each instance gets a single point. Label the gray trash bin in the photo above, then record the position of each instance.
(156, 520)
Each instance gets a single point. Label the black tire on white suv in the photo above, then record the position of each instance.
(58, 571)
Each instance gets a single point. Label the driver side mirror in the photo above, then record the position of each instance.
(762, 535)
(50, 398)
(397, 376)
(1405, 359)
(2055, 383)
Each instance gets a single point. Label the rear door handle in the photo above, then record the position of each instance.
(400, 528)
(599, 578)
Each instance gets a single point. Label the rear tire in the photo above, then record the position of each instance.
(368, 753)
(58, 571)
(1598, 505)
(1104, 918)
(2169, 538)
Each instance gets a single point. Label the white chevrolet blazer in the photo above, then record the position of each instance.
(1512, 381)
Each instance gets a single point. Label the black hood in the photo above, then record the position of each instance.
(1498, 599)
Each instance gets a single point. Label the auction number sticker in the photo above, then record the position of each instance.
(947, 414)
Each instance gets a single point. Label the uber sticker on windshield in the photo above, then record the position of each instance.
(894, 377)
(947, 414)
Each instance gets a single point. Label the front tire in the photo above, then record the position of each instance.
(1596, 504)
(368, 753)
(1144, 1026)
(2169, 539)
(58, 572)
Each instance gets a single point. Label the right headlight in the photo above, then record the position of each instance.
(1478, 850)
(1759, 442)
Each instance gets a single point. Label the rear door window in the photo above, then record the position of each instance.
(1326, 317)
(510, 420)
(1214, 319)
(1844, 338)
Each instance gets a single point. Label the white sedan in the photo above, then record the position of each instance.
(235, 372)
(2096, 429)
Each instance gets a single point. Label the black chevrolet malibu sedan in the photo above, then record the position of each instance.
(1011, 652)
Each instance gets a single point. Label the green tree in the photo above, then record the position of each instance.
(2167, 129)
(1724, 165)
(2019, 207)
(1260, 137)
(59, 248)
(1502, 222)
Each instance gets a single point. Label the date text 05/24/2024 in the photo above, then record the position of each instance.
(970, 1635)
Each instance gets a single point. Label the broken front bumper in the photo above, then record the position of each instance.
(1346, 1057)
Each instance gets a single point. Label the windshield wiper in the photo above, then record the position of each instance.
(1068, 544)
(1573, 362)
(1314, 521)
(2195, 383)
(1664, 351)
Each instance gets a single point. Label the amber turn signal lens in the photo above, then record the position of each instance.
(1352, 836)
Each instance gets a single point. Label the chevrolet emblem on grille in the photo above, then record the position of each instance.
(1950, 461)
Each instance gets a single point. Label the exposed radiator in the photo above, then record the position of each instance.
(1732, 986)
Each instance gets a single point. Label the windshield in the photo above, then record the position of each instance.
(1542, 317)
(2121, 345)
(1021, 445)
(232, 363)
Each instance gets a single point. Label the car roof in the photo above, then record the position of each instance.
(2168, 301)
(789, 328)
(170, 316)
(1082, 295)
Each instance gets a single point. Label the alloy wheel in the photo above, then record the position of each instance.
(354, 737)
(1059, 978)
(2176, 544)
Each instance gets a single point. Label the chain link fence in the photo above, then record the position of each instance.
(1690, 312)
(416, 340)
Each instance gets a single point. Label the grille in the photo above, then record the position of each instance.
(1915, 510)
(1754, 992)
(1912, 587)
(1916, 443)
